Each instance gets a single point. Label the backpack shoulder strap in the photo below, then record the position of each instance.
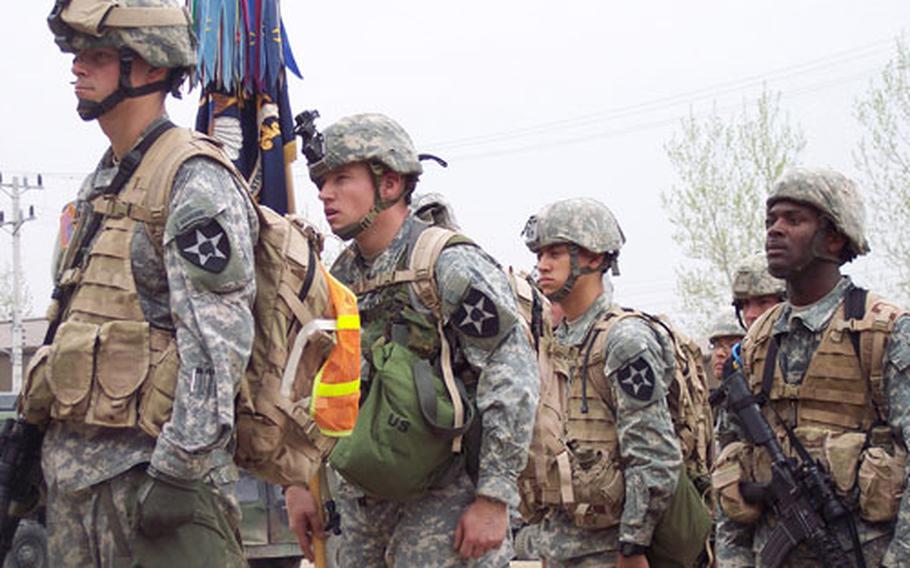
(869, 320)
(424, 254)
(423, 259)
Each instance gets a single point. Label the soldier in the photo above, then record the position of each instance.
(755, 291)
(838, 379)
(152, 325)
(725, 333)
(618, 422)
(365, 182)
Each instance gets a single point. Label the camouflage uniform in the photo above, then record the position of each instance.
(213, 322)
(649, 447)
(751, 279)
(96, 476)
(379, 532)
(798, 332)
(422, 532)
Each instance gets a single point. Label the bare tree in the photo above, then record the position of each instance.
(883, 156)
(6, 295)
(725, 166)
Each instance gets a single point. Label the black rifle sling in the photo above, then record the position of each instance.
(771, 364)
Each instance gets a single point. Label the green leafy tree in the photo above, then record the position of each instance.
(883, 157)
(725, 166)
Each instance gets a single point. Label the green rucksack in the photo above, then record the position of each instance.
(410, 426)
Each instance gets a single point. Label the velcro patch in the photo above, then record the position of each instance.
(477, 316)
(637, 379)
(206, 246)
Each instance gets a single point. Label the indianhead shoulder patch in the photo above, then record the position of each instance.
(477, 316)
(637, 380)
(206, 246)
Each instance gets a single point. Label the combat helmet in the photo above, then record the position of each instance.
(751, 279)
(382, 144)
(725, 325)
(435, 210)
(834, 195)
(577, 222)
(158, 31)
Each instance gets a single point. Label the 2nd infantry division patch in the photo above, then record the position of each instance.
(205, 246)
(477, 316)
(637, 380)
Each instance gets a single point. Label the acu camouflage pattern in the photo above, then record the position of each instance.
(214, 329)
(160, 46)
(649, 447)
(885, 544)
(369, 137)
(505, 397)
(725, 325)
(586, 222)
(833, 194)
(751, 279)
(434, 209)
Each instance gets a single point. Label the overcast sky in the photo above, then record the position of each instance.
(529, 102)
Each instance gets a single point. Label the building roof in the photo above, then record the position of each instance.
(34, 333)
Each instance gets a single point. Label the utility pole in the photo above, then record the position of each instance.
(14, 190)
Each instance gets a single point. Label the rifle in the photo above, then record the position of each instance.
(20, 476)
(801, 492)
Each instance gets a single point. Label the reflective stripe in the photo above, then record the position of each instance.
(348, 321)
(336, 389)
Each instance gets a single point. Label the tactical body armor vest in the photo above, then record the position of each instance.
(574, 461)
(838, 411)
(107, 366)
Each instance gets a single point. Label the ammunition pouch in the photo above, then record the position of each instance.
(598, 488)
(120, 374)
(734, 465)
(881, 483)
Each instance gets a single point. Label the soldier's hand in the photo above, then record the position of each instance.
(482, 527)
(637, 561)
(303, 518)
(166, 502)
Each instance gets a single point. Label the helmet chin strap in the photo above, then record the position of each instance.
(349, 232)
(90, 110)
(575, 271)
(816, 248)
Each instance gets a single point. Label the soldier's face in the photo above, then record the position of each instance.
(554, 264)
(97, 73)
(347, 195)
(721, 347)
(752, 308)
(790, 231)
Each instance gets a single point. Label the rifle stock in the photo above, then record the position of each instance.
(20, 475)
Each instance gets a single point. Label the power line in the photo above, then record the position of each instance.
(689, 97)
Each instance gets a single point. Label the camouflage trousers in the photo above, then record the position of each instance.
(96, 528)
(563, 545)
(377, 533)
(802, 557)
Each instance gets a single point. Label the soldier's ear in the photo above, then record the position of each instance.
(391, 185)
(835, 242)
